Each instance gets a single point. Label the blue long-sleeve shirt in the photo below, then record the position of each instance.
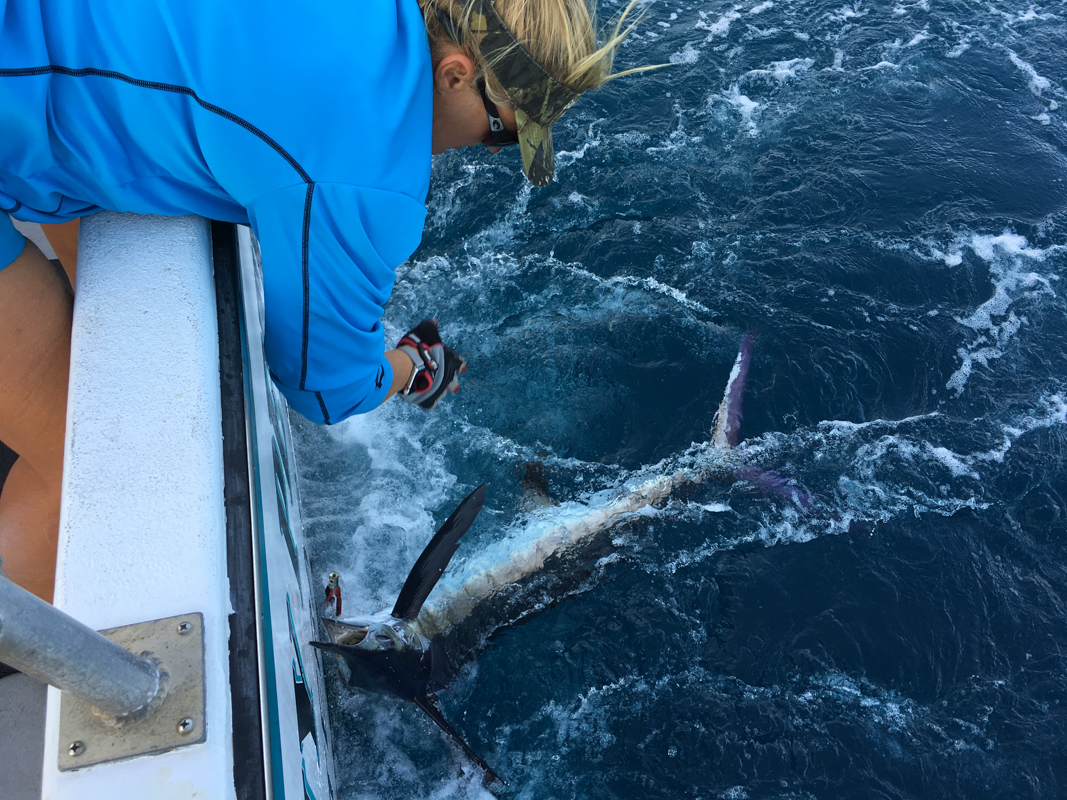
(309, 121)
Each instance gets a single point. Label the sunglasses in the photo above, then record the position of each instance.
(499, 136)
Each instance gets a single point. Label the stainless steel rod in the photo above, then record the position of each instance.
(53, 647)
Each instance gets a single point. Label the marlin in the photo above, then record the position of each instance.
(413, 650)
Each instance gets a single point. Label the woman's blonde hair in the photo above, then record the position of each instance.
(559, 34)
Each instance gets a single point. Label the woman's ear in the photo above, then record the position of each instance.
(453, 72)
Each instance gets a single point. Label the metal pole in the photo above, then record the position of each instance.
(53, 647)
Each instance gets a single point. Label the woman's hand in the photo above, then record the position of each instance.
(436, 366)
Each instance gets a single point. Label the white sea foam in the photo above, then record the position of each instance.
(714, 508)
(445, 204)
(873, 489)
(961, 47)
(879, 452)
(887, 707)
(845, 13)
(1037, 83)
(782, 71)
(986, 247)
(881, 65)
(564, 158)
(495, 237)
(952, 259)
(687, 558)
(1051, 410)
(719, 27)
(968, 358)
(1030, 15)
(840, 427)
(843, 695)
(878, 448)
(900, 9)
(955, 464)
(687, 55)
(996, 321)
(760, 33)
(632, 138)
(650, 284)
(746, 107)
(919, 38)
(759, 9)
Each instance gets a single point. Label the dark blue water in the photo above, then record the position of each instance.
(881, 190)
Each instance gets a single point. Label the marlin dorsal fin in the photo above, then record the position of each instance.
(431, 564)
(727, 424)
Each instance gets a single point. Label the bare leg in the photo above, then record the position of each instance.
(63, 236)
(29, 529)
(35, 321)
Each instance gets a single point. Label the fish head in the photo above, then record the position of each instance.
(385, 632)
(386, 655)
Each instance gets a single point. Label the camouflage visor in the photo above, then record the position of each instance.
(539, 98)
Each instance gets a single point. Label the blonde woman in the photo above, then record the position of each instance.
(313, 123)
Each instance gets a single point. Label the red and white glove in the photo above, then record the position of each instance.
(437, 367)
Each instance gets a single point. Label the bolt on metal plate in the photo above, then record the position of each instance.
(87, 737)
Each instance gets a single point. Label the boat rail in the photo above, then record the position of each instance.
(53, 647)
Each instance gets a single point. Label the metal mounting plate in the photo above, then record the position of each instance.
(86, 738)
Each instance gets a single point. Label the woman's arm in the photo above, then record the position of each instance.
(329, 254)
(403, 369)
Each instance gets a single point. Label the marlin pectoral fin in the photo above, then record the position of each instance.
(769, 482)
(431, 564)
(429, 704)
(728, 418)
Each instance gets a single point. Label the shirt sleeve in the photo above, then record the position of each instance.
(11, 241)
(330, 251)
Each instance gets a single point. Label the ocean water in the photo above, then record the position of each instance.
(880, 189)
